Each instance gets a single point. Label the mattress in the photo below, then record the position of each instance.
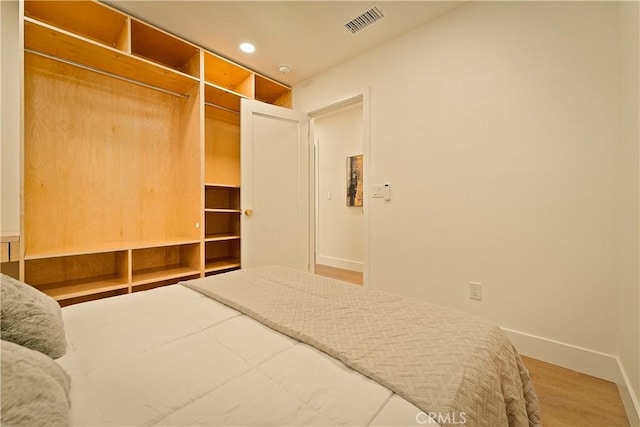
(172, 356)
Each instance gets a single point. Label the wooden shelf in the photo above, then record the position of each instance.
(165, 49)
(80, 288)
(272, 92)
(211, 184)
(225, 74)
(88, 19)
(143, 244)
(220, 237)
(160, 283)
(218, 210)
(220, 264)
(96, 248)
(214, 95)
(164, 263)
(222, 254)
(217, 223)
(48, 40)
(150, 275)
(75, 276)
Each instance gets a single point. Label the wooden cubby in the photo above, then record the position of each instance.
(163, 48)
(227, 75)
(67, 277)
(222, 213)
(221, 224)
(222, 256)
(44, 39)
(164, 263)
(92, 20)
(222, 197)
(131, 153)
(215, 96)
(272, 92)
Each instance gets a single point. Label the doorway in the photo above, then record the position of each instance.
(340, 231)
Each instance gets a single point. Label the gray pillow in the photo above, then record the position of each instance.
(30, 318)
(35, 389)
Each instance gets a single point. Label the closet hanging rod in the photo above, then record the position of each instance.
(105, 73)
(221, 108)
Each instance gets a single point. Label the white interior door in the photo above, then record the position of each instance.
(275, 186)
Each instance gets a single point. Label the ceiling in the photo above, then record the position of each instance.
(307, 35)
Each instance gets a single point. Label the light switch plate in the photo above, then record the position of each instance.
(377, 191)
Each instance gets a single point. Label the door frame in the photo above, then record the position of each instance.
(362, 96)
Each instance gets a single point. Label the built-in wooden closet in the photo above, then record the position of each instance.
(131, 153)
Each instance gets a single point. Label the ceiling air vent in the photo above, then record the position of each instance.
(365, 19)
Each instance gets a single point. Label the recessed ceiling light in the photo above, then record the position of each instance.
(247, 47)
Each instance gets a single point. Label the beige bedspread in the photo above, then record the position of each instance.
(458, 368)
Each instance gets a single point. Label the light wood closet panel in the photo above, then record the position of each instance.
(104, 159)
(222, 147)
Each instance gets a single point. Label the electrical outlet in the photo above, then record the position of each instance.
(475, 291)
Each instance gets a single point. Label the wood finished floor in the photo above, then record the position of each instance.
(567, 398)
(340, 274)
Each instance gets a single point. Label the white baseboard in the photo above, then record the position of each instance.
(629, 399)
(340, 263)
(568, 356)
(580, 359)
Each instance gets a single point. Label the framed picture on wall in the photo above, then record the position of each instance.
(354, 181)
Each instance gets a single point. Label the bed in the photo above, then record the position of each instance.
(276, 346)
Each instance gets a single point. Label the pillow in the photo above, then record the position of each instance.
(35, 389)
(30, 318)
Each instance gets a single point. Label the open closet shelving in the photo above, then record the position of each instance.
(131, 153)
(222, 188)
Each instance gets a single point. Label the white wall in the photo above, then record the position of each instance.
(9, 119)
(497, 126)
(629, 197)
(340, 228)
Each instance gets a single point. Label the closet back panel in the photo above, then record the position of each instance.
(222, 147)
(106, 160)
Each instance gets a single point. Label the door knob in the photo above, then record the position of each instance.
(248, 212)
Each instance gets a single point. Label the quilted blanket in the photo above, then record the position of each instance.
(457, 368)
